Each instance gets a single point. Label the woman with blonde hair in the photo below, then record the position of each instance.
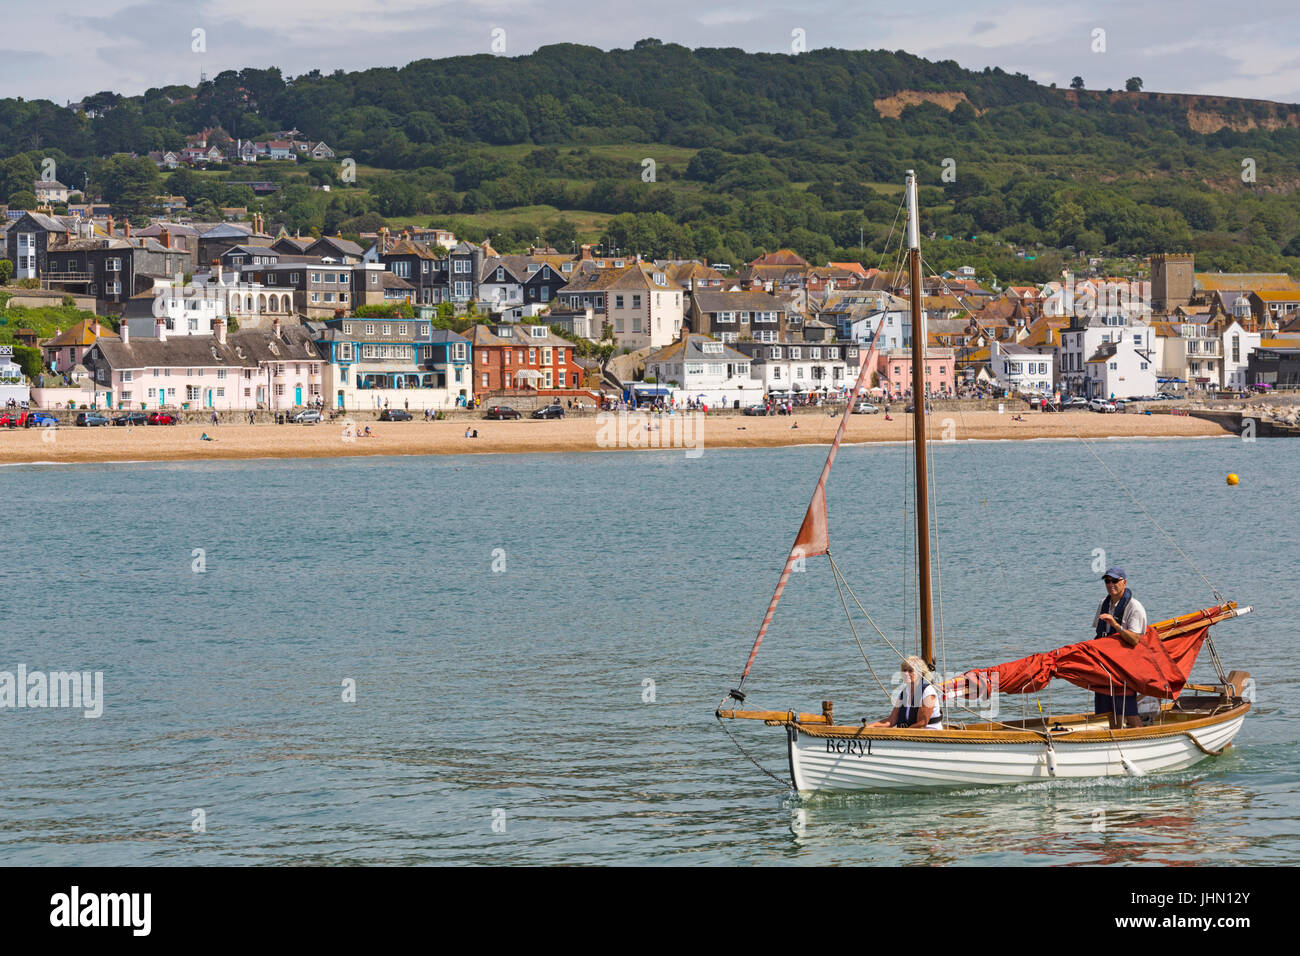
(917, 703)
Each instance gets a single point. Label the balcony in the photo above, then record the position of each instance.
(68, 278)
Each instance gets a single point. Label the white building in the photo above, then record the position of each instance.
(1120, 370)
(1190, 351)
(1085, 336)
(892, 326)
(704, 369)
(800, 367)
(1236, 344)
(13, 383)
(1020, 369)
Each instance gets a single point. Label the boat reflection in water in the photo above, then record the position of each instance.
(1149, 821)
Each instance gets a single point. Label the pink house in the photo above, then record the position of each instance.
(68, 348)
(277, 369)
(895, 367)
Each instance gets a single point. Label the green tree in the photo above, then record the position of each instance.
(129, 183)
(1076, 83)
(1133, 84)
(29, 360)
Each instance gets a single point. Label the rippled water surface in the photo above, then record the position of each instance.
(508, 716)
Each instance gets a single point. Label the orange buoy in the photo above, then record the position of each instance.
(1232, 479)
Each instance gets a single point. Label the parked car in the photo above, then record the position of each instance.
(759, 409)
(162, 418)
(1102, 405)
(866, 408)
(38, 420)
(308, 416)
(500, 412)
(394, 415)
(131, 418)
(549, 411)
(1074, 401)
(91, 419)
(9, 420)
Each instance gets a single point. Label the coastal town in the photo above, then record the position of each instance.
(191, 320)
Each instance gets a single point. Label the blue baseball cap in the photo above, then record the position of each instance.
(1115, 573)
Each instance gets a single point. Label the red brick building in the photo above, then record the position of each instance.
(513, 357)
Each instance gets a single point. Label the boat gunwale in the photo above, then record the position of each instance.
(1127, 734)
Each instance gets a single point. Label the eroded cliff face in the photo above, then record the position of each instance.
(893, 106)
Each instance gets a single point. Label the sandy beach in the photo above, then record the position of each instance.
(695, 433)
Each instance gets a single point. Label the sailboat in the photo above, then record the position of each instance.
(1189, 722)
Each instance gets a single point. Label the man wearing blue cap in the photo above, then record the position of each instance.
(1120, 615)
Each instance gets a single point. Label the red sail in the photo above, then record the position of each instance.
(1107, 665)
(814, 534)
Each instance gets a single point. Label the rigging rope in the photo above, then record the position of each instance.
(847, 613)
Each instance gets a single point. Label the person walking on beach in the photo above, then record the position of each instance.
(250, 417)
(1119, 615)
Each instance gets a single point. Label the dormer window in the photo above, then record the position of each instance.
(538, 331)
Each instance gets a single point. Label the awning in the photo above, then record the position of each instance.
(651, 389)
(528, 374)
(1171, 381)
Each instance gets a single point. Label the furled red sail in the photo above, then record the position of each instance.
(1156, 667)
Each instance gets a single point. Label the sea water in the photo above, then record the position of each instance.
(516, 659)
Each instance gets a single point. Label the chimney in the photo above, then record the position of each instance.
(216, 270)
(96, 329)
(219, 330)
(110, 223)
(586, 250)
(165, 237)
(160, 329)
(125, 332)
(126, 227)
(275, 328)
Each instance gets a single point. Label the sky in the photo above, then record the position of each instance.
(63, 50)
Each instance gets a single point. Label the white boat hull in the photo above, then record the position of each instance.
(913, 763)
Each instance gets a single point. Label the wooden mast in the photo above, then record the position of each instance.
(919, 398)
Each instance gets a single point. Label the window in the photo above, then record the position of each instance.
(388, 329)
(1114, 366)
(461, 266)
(532, 356)
(560, 379)
(191, 393)
(126, 376)
(424, 331)
(485, 379)
(1144, 366)
(345, 352)
(221, 375)
(151, 392)
(636, 301)
(618, 302)
(370, 328)
(315, 277)
(795, 352)
(559, 356)
(458, 351)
